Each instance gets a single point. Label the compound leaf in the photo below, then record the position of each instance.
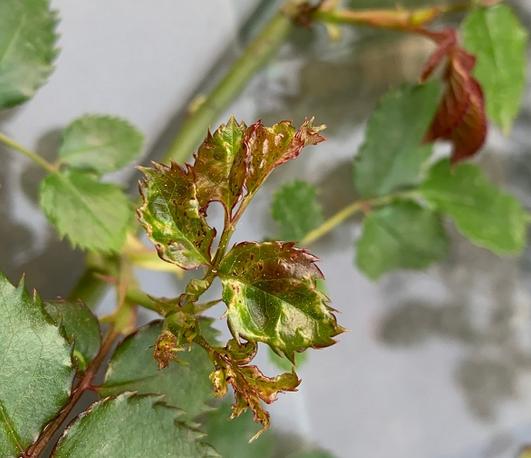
(81, 328)
(220, 165)
(483, 213)
(36, 370)
(131, 426)
(100, 143)
(171, 215)
(93, 215)
(184, 384)
(403, 235)
(271, 294)
(498, 40)
(27, 48)
(392, 154)
(296, 210)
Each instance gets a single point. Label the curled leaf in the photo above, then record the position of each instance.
(165, 349)
(170, 214)
(251, 387)
(269, 147)
(271, 294)
(461, 116)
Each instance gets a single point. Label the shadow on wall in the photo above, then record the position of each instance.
(486, 312)
(21, 252)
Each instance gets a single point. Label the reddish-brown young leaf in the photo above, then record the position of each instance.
(251, 387)
(461, 116)
(269, 147)
(220, 166)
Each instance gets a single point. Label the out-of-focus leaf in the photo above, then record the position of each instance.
(461, 116)
(81, 328)
(184, 383)
(271, 294)
(296, 210)
(93, 215)
(100, 144)
(27, 48)
(269, 147)
(498, 40)
(220, 165)
(285, 365)
(36, 370)
(132, 426)
(400, 236)
(392, 154)
(170, 214)
(484, 214)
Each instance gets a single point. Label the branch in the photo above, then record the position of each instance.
(350, 210)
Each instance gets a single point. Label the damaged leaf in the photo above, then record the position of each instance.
(171, 215)
(220, 166)
(269, 147)
(251, 387)
(271, 294)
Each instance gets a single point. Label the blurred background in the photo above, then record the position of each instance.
(435, 364)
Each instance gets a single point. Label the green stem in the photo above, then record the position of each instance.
(257, 53)
(39, 160)
(350, 210)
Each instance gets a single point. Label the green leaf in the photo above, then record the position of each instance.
(36, 370)
(270, 147)
(392, 155)
(403, 235)
(81, 328)
(27, 48)
(100, 144)
(93, 215)
(184, 384)
(230, 437)
(271, 294)
(220, 165)
(171, 216)
(296, 210)
(499, 41)
(131, 426)
(483, 213)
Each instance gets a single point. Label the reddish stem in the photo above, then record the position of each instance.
(82, 385)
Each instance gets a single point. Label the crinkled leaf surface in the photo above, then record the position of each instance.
(296, 210)
(403, 235)
(220, 165)
(498, 40)
(27, 48)
(100, 143)
(483, 213)
(271, 294)
(269, 147)
(184, 384)
(131, 426)
(93, 215)
(36, 370)
(171, 215)
(392, 154)
(80, 326)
